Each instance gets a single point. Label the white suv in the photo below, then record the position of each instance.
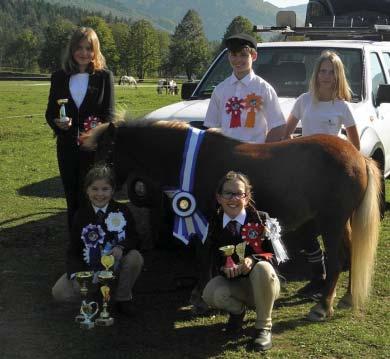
(287, 66)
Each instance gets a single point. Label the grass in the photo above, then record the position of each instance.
(32, 249)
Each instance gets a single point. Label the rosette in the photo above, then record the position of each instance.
(251, 233)
(273, 233)
(234, 106)
(91, 122)
(92, 235)
(115, 222)
(253, 104)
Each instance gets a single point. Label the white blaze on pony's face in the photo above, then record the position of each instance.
(100, 192)
(233, 197)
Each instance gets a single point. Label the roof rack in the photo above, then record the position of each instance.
(374, 32)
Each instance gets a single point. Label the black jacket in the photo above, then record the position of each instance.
(85, 216)
(98, 102)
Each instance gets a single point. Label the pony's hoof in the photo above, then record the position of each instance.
(345, 302)
(317, 314)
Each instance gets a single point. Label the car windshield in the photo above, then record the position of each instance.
(288, 70)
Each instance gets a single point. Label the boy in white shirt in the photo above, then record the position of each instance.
(245, 106)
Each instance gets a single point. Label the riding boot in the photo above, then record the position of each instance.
(313, 289)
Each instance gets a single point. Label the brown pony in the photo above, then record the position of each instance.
(319, 178)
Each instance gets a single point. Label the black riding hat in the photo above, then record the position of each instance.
(238, 41)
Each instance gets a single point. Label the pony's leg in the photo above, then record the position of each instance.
(346, 300)
(333, 245)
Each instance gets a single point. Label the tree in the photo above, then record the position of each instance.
(143, 48)
(106, 39)
(164, 40)
(239, 24)
(23, 52)
(56, 38)
(122, 35)
(189, 49)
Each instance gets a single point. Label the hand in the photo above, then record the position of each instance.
(63, 125)
(117, 252)
(232, 272)
(247, 265)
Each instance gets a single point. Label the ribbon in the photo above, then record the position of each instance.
(234, 106)
(253, 104)
(273, 233)
(188, 219)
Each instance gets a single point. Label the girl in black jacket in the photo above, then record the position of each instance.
(85, 90)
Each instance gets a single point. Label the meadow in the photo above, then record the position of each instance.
(32, 249)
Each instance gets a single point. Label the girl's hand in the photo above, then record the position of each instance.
(63, 125)
(117, 252)
(232, 272)
(247, 265)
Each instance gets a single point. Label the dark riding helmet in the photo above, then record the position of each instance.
(238, 41)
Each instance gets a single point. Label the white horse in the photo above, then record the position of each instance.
(128, 80)
(169, 86)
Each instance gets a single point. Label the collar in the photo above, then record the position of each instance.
(245, 80)
(96, 209)
(240, 218)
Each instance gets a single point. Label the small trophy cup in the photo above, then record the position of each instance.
(240, 250)
(83, 278)
(62, 102)
(105, 277)
(227, 252)
(88, 313)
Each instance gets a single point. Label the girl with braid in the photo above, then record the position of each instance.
(247, 278)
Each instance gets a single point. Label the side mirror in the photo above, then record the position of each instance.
(187, 89)
(383, 94)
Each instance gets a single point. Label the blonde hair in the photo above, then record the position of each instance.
(341, 90)
(98, 62)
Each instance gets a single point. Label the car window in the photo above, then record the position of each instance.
(377, 75)
(386, 57)
(288, 69)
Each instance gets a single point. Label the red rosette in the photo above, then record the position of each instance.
(252, 233)
(234, 106)
(91, 122)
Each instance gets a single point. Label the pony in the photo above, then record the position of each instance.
(129, 80)
(169, 86)
(317, 179)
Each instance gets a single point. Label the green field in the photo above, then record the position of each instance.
(32, 249)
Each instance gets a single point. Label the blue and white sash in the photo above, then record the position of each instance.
(188, 220)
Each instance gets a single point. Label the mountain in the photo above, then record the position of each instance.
(166, 14)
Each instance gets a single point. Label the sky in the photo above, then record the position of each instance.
(285, 3)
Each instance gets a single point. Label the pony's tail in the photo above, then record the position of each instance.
(365, 235)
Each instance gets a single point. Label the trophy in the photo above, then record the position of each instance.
(105, 277)
(240, 250)
(227, 252)
(62, 102)
(86, 309)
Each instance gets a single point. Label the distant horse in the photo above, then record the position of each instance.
(319, 178)
(169, 86)
(128, 80)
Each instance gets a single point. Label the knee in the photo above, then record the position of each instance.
(215, 294)
(133, 259)
(265, 272)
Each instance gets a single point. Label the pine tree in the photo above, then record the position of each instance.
(189, 51)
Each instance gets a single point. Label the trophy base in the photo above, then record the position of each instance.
(79, 318)
(104, 322)
(87, 325)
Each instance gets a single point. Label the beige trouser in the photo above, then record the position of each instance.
(259, 290)
(66, 290)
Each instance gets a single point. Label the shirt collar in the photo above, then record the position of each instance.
(96, 209)
(240, 218)
(245, 80)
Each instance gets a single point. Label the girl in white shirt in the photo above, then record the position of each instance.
(322, 110)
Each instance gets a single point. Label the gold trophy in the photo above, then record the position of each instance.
(227, 252)
(240, 250)
(86, 309)
(105, 277)
(62, 102)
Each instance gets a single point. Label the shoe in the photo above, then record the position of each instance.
(312, 290)
(262, 340)
(125, 308)
(234, 324)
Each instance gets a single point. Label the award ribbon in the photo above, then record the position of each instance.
(188, 219)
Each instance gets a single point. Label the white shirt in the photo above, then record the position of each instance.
(322, 117)
(266, 118)
(103, 209)
(240, 218)
(78, 84)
